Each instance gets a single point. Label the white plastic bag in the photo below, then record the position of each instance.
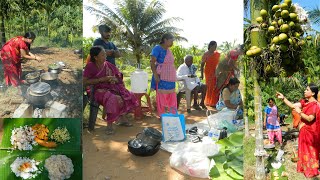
(192, 158)
(192, 163)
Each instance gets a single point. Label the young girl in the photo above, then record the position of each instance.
(271, 121)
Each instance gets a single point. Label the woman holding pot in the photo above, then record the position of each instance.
(309, 128)
(109, 88)
(11, 54)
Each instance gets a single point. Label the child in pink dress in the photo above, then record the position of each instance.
(272, 122)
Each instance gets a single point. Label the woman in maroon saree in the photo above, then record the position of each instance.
(309, 127)
(109, 88)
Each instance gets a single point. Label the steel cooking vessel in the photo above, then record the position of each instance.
(54, 68)
(38, 94)
(50, 78)
(33, 77)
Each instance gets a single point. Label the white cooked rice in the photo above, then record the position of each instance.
(22, 138)
(28, 173)
(59, 167)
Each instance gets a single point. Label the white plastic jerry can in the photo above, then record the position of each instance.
(139, 81)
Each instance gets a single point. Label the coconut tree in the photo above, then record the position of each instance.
(7, 8)
(314, 15)
(138, 23)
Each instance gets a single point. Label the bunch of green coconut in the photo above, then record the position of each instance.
(285, 39)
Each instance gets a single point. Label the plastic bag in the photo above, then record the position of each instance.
(173, 127)
(223, 118)
(192, 159)
(192, 163)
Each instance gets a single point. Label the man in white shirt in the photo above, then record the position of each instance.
(189, 82)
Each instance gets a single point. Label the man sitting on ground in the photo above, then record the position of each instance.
(186, 76)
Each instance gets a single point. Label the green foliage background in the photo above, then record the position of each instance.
(56, 23)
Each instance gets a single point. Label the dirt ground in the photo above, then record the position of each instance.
(290, 144)
(106, 156)
(69, 86)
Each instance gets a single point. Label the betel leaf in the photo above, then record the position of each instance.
(234, 151)
(225, 142)
(233, 174)
(217, 172)
(214, 172)
(236, 138)
(236, 166)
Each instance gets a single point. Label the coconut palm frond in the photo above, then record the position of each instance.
(314, 15)
(137, 24)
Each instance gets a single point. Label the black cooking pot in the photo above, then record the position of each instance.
(138, 148)
(150, 136)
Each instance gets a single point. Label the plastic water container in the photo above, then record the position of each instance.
(139, 81)
(214, 134)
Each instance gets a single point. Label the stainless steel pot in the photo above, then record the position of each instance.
(54, 68)
(38, 94)
(33, 77)
(55, 71)
(50, 78)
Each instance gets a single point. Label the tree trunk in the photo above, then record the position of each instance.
(2, 30)
(243, 80)
(258, 39)
(48, 24)
(138, 57)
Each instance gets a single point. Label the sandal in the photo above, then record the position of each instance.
(109, 131)
(203, 106)
(125, 124)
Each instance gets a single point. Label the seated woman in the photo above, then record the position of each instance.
(109, 88)
(230, 98)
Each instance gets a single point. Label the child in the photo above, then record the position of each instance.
(282, 119)
(271, 122)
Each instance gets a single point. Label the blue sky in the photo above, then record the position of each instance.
(308, 5)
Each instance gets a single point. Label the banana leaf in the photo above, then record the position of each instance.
(8, 157)
(73, 126)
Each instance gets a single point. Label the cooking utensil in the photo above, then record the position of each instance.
(150, 136)
(61, 64)
(50, 78)
(54, 68)
(33, 77)
(136, 147)
(38, 94)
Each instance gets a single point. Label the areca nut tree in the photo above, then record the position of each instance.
(139, 23)
(7, 8)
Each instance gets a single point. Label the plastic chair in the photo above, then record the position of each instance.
(138, 112)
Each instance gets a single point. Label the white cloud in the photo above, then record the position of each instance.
(203, 20)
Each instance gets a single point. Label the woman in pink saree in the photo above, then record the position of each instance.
(109, 88)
